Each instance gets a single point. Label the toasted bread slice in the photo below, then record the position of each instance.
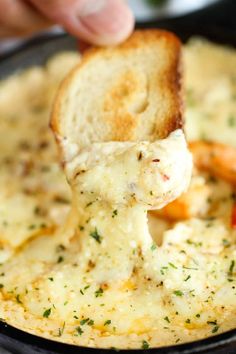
(131, 92)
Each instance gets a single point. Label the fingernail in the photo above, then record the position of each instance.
(111, 21)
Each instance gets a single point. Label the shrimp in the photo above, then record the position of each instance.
(192, 203)
(218, 160)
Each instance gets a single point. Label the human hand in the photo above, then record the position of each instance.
(101, 22)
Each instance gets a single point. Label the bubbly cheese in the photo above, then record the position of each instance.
(210, 85)
(61, 281)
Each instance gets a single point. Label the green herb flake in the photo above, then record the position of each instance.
(231, 121)
(114, 213)
(79, 330)
(51, 279)
(215, 329)
(90, 323)
(195, 244)
(178, 293)
(153, 247)
(145, 345)
(188, 320)
(84, 321)
(94, 234)
(231, 268)
(187, 278)
(99, 292)
(60, 259)
(1, 286)
(32, 227)
(167, 319)
(108, 322)
(47, 313)
(198, 315)
(61, 330)
(226, 243)
(172, 265)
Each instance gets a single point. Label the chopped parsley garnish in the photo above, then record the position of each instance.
(178, 293)
(153, 247)
(89, 204)
(32, 227)
(60, 259)
(87, 321)
(114, 213)
(232, 121)
(167, 319)
(61, 330)
(94, 234)
(190, 268)
(108, 322)
(226, 242)
(188, 320)
(172, 265)
(47, 313)
(145, 344)
(196, 244)
(215, 329)
(231, 268)
(84, 321)
(99, 292)
(81, 228)
(1, 286)
(188, 277)
(79, 330)
(51, 279)
(90, 323)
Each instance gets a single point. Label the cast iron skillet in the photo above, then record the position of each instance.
(20, 342)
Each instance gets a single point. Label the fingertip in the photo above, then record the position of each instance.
(108, 24)
(112, 24)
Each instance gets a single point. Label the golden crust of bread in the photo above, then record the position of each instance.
(116, 122)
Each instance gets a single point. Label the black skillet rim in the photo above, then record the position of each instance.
(11, 337)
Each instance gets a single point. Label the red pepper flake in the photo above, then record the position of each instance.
(156, 160)
(166, 178)
(233, 217)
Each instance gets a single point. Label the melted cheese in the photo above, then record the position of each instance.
(61, 282)
(210, 83)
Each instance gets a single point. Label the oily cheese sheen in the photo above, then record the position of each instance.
(75, 282)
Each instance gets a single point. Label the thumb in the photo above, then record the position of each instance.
(101, 22)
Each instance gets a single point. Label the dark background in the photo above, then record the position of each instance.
(221, 15)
